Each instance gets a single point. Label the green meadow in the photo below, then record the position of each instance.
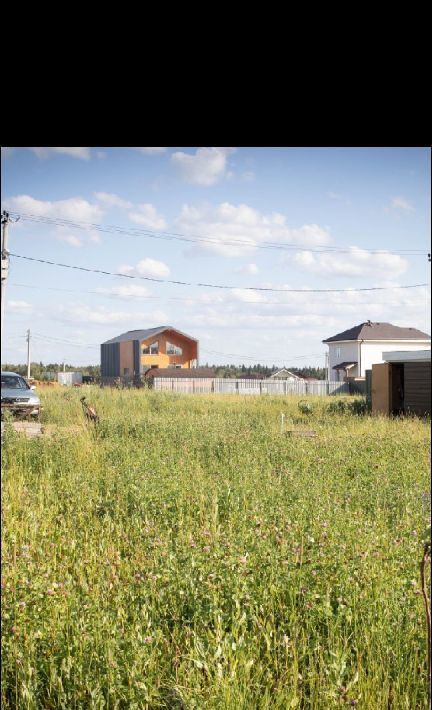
(187, 553)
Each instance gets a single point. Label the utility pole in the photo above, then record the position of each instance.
(5, 220)
(28, 354)
(4, 263)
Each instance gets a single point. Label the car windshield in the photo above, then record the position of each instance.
(13, 382)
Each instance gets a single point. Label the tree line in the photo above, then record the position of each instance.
(39, 371)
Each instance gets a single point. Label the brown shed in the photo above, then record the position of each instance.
(402, 384)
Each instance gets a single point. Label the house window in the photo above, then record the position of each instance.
(151, 349)
(172, 349)
(338, 352)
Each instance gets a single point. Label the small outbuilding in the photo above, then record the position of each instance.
(402, 383)
(284, 374)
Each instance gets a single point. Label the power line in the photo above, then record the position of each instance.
(218, 286)
(104, 294)
(63, 341)
(178, 236)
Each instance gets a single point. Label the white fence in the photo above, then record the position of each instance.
(199, 385)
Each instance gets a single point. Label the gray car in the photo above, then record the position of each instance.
(17, 396)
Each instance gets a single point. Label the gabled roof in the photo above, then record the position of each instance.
(145, 334)
(378, 331)
(284, 371)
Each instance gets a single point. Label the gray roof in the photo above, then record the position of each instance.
(344, 365)
(378, 331)
(144, 334)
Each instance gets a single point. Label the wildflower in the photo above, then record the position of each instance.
(50, 592)
(148, 639)
(243, 559)
(206, 549)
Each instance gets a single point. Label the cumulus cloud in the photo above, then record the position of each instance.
(147, 215)
(75, 208)
(72, 239)
(146, 267)
(205, 167)
(99, 315)
(19, 306)
(130, 292)
(357, 262)
(248, 269)
(81, 153)
(151, 151)
(234, 230)
(247, 296)
(111, 200)
(400, 203)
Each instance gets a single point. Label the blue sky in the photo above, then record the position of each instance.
(236, 200)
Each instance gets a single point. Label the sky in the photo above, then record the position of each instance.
(283, 219)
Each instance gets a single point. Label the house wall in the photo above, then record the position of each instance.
(110, 360)
(371, 353)
(162, 359)
(126, 357)
(348, 351)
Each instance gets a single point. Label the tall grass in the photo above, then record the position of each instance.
(186, 554)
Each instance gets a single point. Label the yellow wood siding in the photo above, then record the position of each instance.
(162, 359)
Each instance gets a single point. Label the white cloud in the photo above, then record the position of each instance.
(19, 306)
(130, 292)
(248, 269)
(72, 239)
(235, 230)
(151, 151)
(358, 262)
(400, 203)
(206, 167)
(100, 315)
(146, 267)
(75, 208)
(111, 200)
(81, 153)
(147, 215)
(247, 296)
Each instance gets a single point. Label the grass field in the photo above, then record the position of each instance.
(189, 555)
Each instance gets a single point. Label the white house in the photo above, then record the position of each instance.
(284, 374)
(353, 351)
